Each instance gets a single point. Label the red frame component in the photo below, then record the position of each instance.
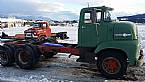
(17, 36)
(73, 51)
(46, 49)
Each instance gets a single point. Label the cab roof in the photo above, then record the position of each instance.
(102, 8)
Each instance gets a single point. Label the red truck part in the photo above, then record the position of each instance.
(60, 48)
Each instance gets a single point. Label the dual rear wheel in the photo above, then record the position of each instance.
(26, 56)
(7, 55)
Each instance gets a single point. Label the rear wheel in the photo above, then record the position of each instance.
(26, 57)
(112, 64)
(42, 38)
(63, 36)
(7, 55)
(12, 47)
(35, 50)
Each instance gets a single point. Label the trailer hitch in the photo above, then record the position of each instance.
(69, 56)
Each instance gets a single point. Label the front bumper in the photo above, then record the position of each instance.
(30, 35)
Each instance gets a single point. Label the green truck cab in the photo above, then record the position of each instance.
(115, 44)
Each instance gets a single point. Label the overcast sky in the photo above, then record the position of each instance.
(67, 9)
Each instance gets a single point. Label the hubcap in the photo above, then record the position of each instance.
(24, 57)
(42, 38)
(3, 58)
(111, 65)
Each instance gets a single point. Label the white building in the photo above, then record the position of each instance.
(11, 22)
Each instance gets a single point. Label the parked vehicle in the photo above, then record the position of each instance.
(42, 30)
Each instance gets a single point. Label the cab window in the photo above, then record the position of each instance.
(107, 16)
(44, 25)
(98, 17)
(87, 18)
(36, 25)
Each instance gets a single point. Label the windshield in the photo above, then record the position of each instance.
(110, 16)
(36, 25)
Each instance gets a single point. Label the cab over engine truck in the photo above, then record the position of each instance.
(110, 44)
(42, 30)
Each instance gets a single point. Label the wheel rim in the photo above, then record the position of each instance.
(111, 65)
(24, 57)
(3, 58)
(42, 38)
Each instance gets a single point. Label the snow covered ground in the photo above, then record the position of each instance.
(14, 30)
(141, 30)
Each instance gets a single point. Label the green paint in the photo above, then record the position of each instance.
(101, 32)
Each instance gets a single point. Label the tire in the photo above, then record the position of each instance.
(112, 64)
(63, 36)
(42, 38)
(6, 56)
(50, 55)
(35, 50)
(12, 47)
(26, 57)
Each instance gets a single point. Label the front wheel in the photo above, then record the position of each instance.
(112, 64)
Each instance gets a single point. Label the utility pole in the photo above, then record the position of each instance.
(88, 4)
(0, 24)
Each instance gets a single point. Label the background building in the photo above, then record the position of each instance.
(11, 22)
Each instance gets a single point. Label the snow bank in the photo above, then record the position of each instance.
(14, 30)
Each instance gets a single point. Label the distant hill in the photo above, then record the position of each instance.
(28, 17)
(33, 18)
(139, 18)
(3, 16)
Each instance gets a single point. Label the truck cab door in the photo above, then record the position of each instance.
(88, 29)
(46, 30)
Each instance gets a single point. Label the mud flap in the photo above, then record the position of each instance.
(140, 60)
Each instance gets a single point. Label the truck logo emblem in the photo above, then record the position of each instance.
(123, 35)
